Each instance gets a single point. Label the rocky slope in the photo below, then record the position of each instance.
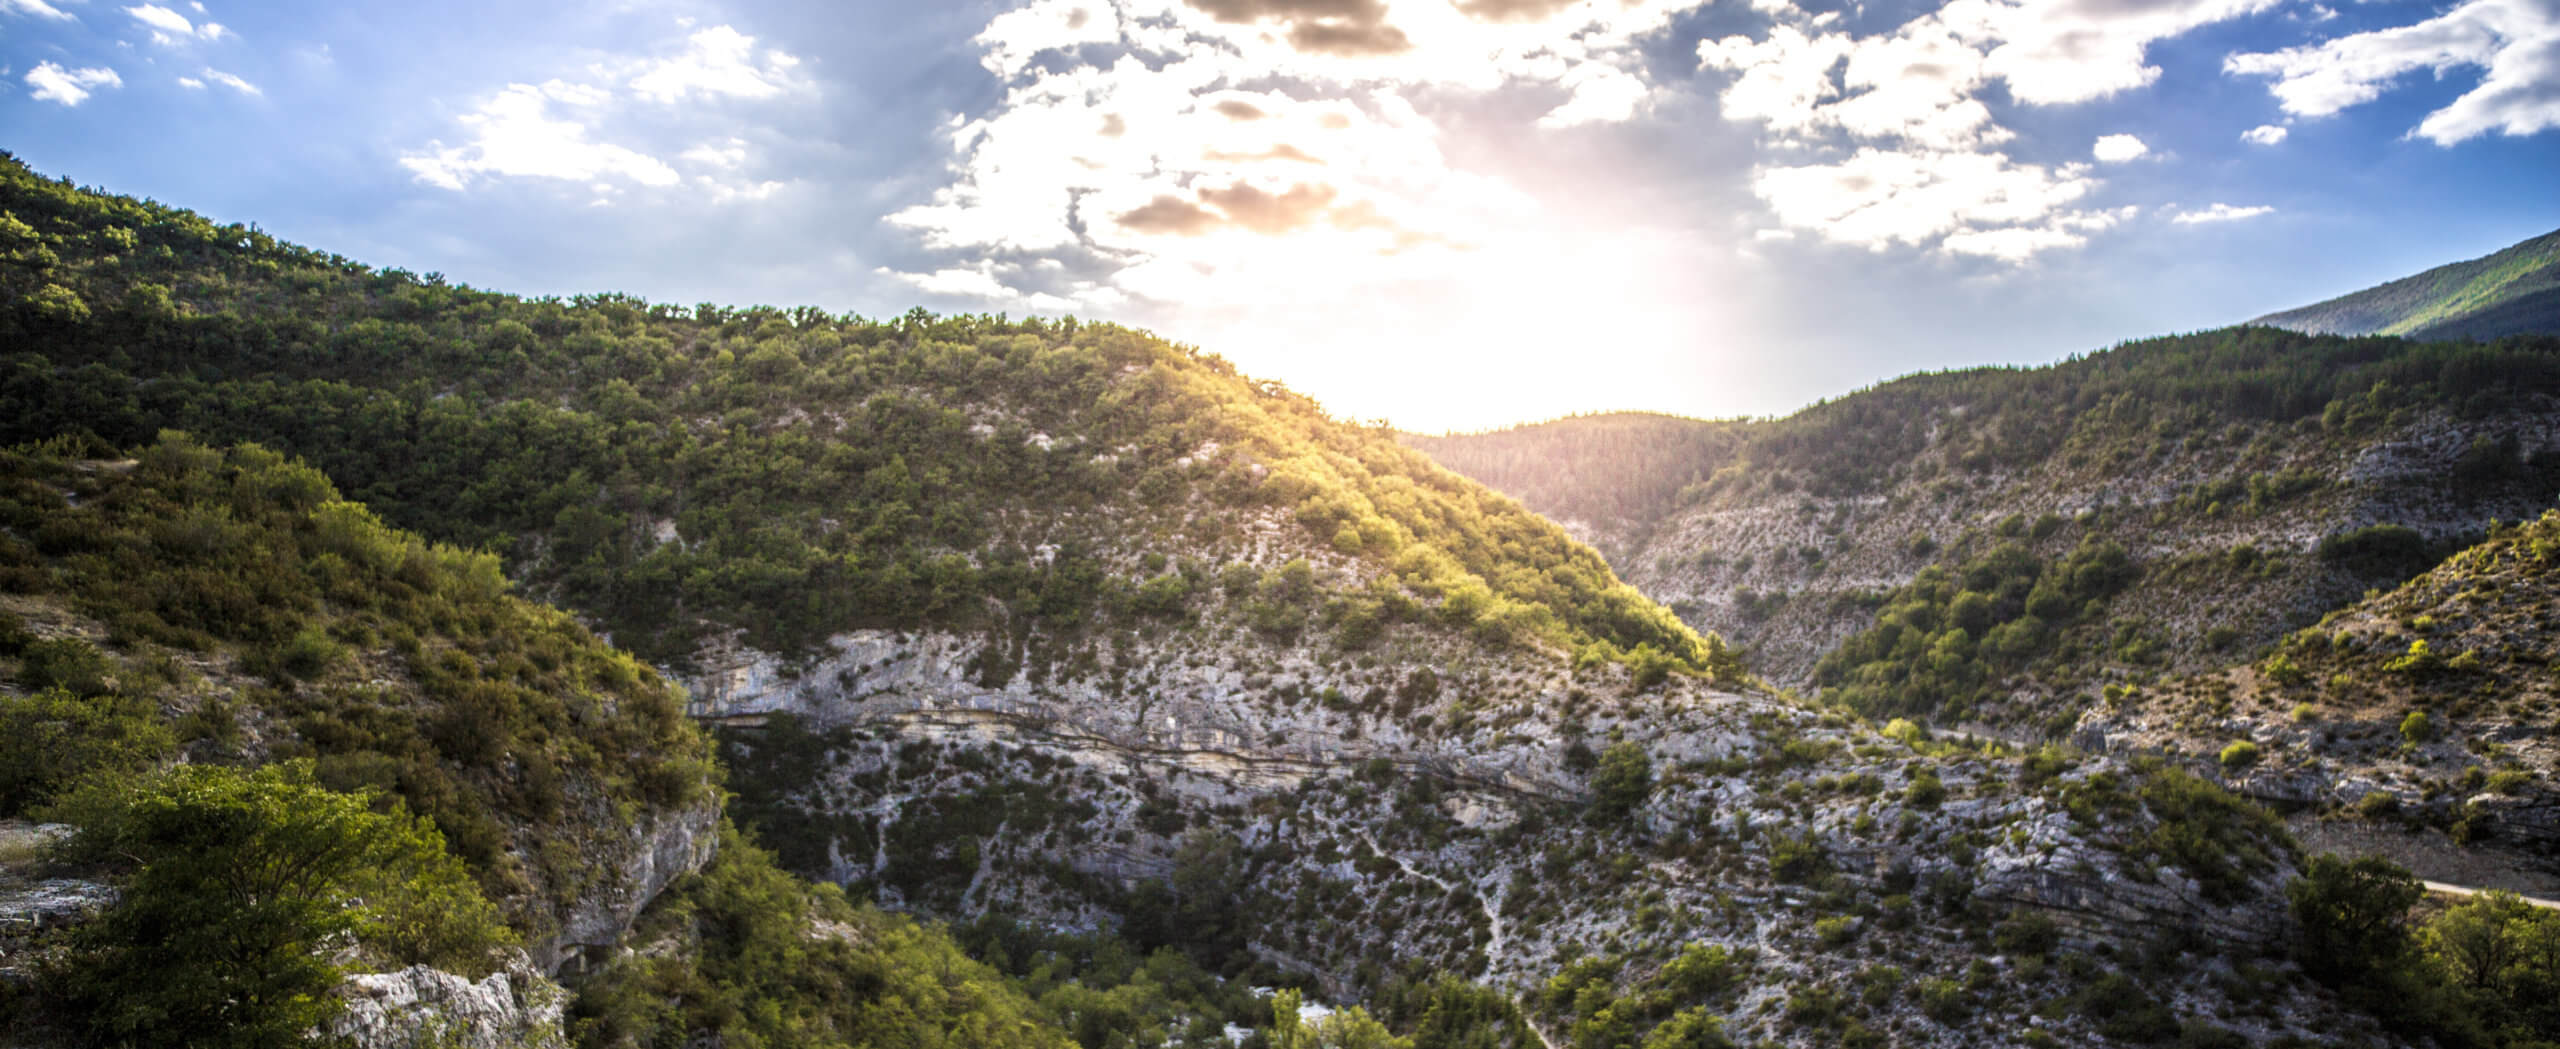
(2234, 470)
(2429, 708)
(1427, 800)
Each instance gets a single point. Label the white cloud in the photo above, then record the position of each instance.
(230, 81)
(2116, 149)
(53, 83)
(2220, 212)
(958, 283)
(2056, 51)
(567, 130)
(2264, 135)
(1924, 163)
(516, 134)
(191, 83)
(719, 61)
(169, 28)
(35, 9)
(2515, 42)
(1969, 203)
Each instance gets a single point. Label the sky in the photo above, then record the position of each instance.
(1448, 214)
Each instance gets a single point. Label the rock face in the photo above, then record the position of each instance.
(1369, 815)
(1805, 560)
(514, 1008)
(650, 855)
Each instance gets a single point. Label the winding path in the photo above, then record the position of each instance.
(2449, 889)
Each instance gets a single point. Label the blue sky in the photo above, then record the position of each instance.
(1446, 213)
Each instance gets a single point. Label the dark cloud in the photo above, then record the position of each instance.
(1283, 151)
(1262, 211)
(1348, 39)
(1169, 214)
(1331, 27)
(1237, 109)
(1249, 11)
(1511, 10)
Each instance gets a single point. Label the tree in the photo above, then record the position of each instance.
(236, 884)
(1624, 778)
(2350, 915)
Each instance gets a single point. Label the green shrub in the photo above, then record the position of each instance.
(237, 886)
(2416, 728)
(51, 740)
(2239, 755)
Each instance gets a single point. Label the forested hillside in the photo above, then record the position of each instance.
(288, 743)
(1606, 476)
(2513, 291)
(689, 476)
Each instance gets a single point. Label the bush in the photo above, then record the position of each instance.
(1622, 781)
(1945, 1001)
(2241, 754)
(2348, 915)
(2416, 728)
(238, 888)
(50, 740)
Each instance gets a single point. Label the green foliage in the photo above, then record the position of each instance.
(54, 738)
(397, 665)
(2511, 290)
(1445, 1012)
(2216, 837)
(2417, 727)
(2483, 972)
(677, 474)
(775, 961)
(236, 887)
(1621, 466)
(1350, 1027)
(2239, 755)
(1622, 781)
(2383, 551)
(1941, 643)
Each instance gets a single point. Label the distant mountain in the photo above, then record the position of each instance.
(2236, 473)
(2513, 291)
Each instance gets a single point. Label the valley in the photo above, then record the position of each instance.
(759, 676)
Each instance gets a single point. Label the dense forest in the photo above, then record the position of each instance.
(679, 474)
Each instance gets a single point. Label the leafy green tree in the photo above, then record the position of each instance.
(238, 886)
(2349, 915)
(1623, 780)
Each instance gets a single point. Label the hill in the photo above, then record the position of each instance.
(2419, 718)
(2205, 493)
(1089, 641)
(2513, 291)
(702, 480)
(238, 689)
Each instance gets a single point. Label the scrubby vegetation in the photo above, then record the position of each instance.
(1942, 643)
(227, 605)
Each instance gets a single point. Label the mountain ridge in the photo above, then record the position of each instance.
(2510, 291)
